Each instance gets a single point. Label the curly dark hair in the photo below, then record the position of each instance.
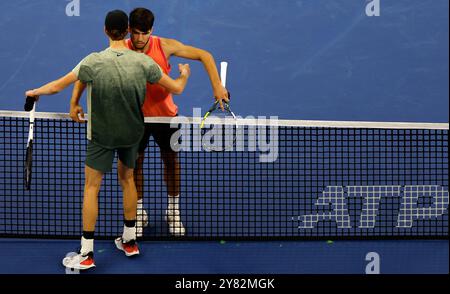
(142, 19)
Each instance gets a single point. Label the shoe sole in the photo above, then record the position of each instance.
(77, 267)
(119, 246)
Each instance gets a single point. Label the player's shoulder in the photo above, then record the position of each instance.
(98, 57)
(136, 55)
(139, 58)
(90, 58)
(95, 55)
(168, 41)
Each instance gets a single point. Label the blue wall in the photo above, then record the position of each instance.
(298, 59)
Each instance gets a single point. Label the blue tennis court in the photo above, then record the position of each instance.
(234, 257)
(353, 93)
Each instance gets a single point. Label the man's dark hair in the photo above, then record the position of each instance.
(142, 19)
(117, 35)
(116, 25)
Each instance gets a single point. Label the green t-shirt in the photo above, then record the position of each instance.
(116, 80)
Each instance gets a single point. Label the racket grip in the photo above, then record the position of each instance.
(29, 103)
(223, 73)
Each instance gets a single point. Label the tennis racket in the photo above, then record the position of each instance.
(30, 106)
(218, 125)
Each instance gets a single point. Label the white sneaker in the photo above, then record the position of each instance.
(173, 220)
(141, 222)
(130, 248)
(74, 260)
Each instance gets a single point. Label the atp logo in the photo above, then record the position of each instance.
(333, 205)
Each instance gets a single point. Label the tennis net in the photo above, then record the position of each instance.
(283, 180)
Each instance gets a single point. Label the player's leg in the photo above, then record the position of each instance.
(171, 173)
(98, 162)
(162, 134)
(172, 180)
(93, 180)
(138, 174)
(125, 169)
(142, 217)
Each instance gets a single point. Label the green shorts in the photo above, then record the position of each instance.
(101, 159)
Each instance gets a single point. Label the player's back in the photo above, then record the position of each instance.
(117, 81)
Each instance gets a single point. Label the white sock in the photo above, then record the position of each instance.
(173, 202)
(87, 245)
(140, 205)
(128, 234)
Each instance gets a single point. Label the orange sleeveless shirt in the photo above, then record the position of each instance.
(158, 101)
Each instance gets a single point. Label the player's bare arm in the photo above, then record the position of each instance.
(53, 87)
(176, 86)
(76, 111)
(176, 48)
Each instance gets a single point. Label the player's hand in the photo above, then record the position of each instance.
(221, 95)
(184, 69)
(32, 93)
(77, 114)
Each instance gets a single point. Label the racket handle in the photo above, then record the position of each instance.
(223, 73)
(29, 103)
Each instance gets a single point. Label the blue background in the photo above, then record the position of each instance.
(309, 59)
(296, 59)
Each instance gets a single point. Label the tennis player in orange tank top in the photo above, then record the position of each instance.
(159, 102)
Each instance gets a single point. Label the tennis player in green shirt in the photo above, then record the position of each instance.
(116, 79)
